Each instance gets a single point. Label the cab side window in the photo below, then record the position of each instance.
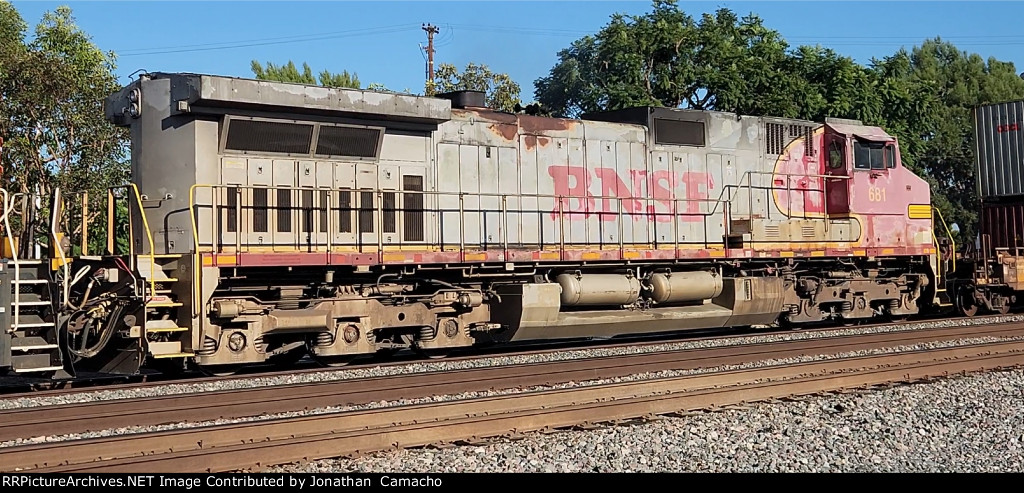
(890, 156)
(835, 154)
(869, 155)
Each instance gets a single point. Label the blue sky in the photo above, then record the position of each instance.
(380, 41)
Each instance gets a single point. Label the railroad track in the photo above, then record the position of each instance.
(260, 443)
(19, 387)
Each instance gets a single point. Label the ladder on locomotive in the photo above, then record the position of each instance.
(29, 335)
(158, 284)
(943, 270)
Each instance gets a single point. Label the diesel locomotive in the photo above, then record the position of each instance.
(268, 221)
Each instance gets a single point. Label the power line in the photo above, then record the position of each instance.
(269, 41)
(871, 40)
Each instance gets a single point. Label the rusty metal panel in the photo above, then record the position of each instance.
(999, 149)
(1004, 223)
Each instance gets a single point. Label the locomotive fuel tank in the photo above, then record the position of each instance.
(598, 289)
(678, 287)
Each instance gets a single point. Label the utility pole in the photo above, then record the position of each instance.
(431, 31)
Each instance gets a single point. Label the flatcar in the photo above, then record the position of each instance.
(269, 221)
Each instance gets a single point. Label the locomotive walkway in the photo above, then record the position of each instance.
(261, 443)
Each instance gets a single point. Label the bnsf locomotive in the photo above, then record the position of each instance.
(266, 221)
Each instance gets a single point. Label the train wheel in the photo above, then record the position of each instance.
(1003, 310)
(966, 304)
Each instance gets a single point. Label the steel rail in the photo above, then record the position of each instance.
(57, 420)
(113, 382)
(261, 443)
(67, 419)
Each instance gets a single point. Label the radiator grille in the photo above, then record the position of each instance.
(348, 141)
(413, 206)
(263, 136)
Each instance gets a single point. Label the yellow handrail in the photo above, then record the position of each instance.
(55, 215)
(196, 265)
(149, 238)
(952, 242)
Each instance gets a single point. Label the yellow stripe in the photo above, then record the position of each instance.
(393, 257)
(918, 211)
(888, 251)
(818, 254)
(549, 255)
(630, 254)
(786, 254)
(860, 253)
(591, 256)
(717, 253)
(476, 256)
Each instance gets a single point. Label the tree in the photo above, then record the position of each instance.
(51, 111)
(726, 63)
(929, 93)
(502, 93)
(666, 58)
(290, 73)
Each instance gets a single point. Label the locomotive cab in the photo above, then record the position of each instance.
(872, 186)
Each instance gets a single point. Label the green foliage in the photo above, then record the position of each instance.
(51, 110)
(726, 63)
(928, 96)
(502, 93)
(290, 73)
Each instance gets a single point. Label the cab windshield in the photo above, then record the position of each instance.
(871, 155)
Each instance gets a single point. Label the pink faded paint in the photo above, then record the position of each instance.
(663, 188)
(797, 191)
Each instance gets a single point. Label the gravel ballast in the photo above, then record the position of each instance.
(962, 424)
(435, 366)
(489, 393)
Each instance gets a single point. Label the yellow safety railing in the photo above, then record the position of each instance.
(134, 194)
(55, 217)
(935, 242)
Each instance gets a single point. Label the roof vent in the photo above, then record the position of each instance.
(464, 99)
(843, 121)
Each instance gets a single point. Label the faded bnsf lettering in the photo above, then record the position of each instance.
(687, 189)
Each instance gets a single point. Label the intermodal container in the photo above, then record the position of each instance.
(1003, 222)
(999, 149)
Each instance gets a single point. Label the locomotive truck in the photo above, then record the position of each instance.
(268, 221)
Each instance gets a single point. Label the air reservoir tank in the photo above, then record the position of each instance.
(598, 289)
(678, 287)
